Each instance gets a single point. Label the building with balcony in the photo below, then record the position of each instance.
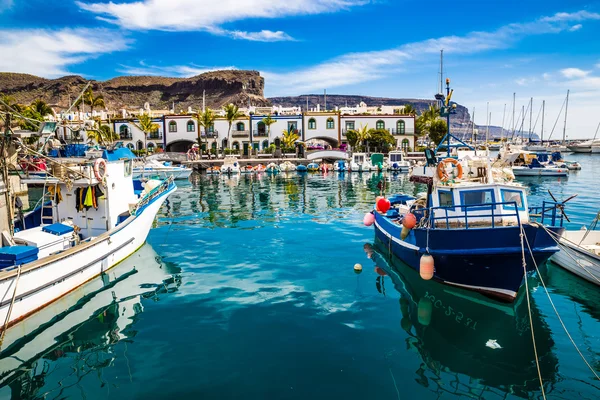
(263, 136)
(132, 136)
(402, 127)
(323, 126)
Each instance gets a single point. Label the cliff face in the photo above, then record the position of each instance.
(131, 92)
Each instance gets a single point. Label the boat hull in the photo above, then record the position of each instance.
(40, 285)
(177, 173)
(486, 260)
(584, 264)
(517, 171)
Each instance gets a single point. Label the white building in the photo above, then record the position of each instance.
(133, 137)
(402, 127)
(263, 136)
(322, 126)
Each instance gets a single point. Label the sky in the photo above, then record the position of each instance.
(387, 48)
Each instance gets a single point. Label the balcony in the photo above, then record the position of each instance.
(260, 134)
(240, 133)
(126, 137)
(405, 131)
(211, 134)
(155, 136)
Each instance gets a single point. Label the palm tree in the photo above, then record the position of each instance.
(93, 101)
(231, 114)
(103, 135)
(409, 109)
(206, 120)
(39, 106)
(362, 134)
(147, 126)
(289, 138)
(268, 121)
(426, 119)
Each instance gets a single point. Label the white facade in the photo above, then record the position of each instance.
(323, 126)
(264, 136)
(402, 127)
(132, 136)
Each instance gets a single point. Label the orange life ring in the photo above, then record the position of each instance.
(99, 162)
(441, 169)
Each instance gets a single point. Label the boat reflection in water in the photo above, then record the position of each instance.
(469, 344)
(81, 326)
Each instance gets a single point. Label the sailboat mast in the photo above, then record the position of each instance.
(487, 131)
(487, 122)
(441, 71)
(543, 110)
(473, 138)
(565, 125)
(513, 116)
(502, 127)
(530, 116)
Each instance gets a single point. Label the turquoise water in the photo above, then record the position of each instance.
(246, 289)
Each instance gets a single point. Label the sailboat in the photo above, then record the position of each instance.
(588, 146)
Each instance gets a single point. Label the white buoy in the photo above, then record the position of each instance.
(357, 268)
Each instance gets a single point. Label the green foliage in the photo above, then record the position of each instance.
(268, 121)
(231, 114)
(437, 130)
(409, 109)
(352, 137)
(289, 138)
(424, 122)
(381, 140)
(103, 135)
(146, 124)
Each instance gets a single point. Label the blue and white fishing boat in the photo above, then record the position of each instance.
(396, 162)
(92, 216)
(466, 231)
(313, 167)
(301, 168)
(154, 169)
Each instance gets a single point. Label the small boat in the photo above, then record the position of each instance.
(155, 169)
(535, 168)
(360, 163)
(378, 162)
(313, 167)
(588, 146)
(272, 168)
(248, 169)
(230, 165)
(326, 167)
(287, 166)
(580, 253)
(340, 166)
(83, 227)
(396, 162)
(259, 168)
(213, 170)
(301, 168)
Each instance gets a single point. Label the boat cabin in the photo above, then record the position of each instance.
(359, 158)
(395, 157)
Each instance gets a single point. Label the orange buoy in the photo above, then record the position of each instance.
(426, 267)
(383, 205)
(409, 221)
(424, 310)
(377, 202)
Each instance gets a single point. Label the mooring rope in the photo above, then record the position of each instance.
(537, 361)
(558, 315)
(10, 307)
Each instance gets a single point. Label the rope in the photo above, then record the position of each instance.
(10, 307)
(556, 312)
(537, 361)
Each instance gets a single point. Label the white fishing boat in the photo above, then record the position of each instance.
(360, 163)
(580, 253)
(117, 295)
(537, 169)
(93, 216)
(272, 168)
(396, 162)
(231, 165)
(588, 146)
(154, 169)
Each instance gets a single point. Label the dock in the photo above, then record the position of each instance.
(200, 165)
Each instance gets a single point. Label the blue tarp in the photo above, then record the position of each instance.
(74, 150)
(117, 154)
(57, 229)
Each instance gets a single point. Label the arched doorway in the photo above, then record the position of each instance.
(180, 146)
(140, 145)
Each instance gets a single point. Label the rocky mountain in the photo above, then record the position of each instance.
(131, 92)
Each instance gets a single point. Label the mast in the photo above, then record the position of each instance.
(502, 127)
(543, 108)
(487, 122)
(487, 132)
(565, 126)
(530, 116)
(522, 121)
(442, 71)
(473, 137)
(513, 116)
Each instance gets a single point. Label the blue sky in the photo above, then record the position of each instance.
(380, 48)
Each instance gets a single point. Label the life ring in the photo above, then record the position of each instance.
(100, 162)
(441, 169)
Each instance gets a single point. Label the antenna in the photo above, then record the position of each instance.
(441, 71)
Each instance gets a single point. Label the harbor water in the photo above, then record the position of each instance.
(246, 289)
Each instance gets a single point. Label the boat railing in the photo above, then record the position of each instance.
(508, 209)
(547, 213)
(157, 191)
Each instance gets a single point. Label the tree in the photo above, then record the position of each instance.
(231, 114)
(409, 109)
(93, 101)
(352, 137)
(40, 107)
(437, 130)
(381, 139)
(146, 125)
(206, 120)
(268, 121)
(103, 135)
(358, 136)
(424, 121)
(36, 111)
(289, 138)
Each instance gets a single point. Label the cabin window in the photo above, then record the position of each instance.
(512, 195)
(380, 124)
(349, 125)
(395, 157)
(172, 126)
(330, 123)
(191, 127)
(312, 124)
(446, 198)
(475, 197)
(128, 167)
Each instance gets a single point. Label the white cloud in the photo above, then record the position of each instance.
(208, 15)
(48, 53)
(183, 71)
(575, 28)
(570, 73)
(525, 81)
(367, 66)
